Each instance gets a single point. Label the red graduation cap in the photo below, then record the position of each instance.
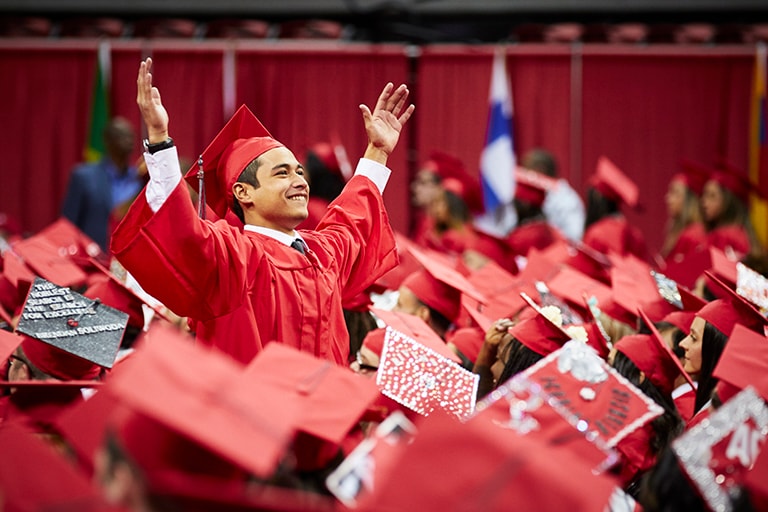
(653, 357)
(718, 454)
(744, 362)
(70, 240)
(238, 143)
(468, 340)
(317, 386)
(539, 333)
(733, 309)
(753, 286)
(45, 260)
(532, 187)
(199, 394)
(424, 380)
(113, 292)
(15, 281)
(485, 469)
(610, 181)
(731, 178)
(571, 286)
(439, 286)
(456, 178)
(413, 327)
(39, 478)
(501, 289)
(693, 175)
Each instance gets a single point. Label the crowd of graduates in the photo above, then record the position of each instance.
(560, 363)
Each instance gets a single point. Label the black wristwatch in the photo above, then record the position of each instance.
(157, 146)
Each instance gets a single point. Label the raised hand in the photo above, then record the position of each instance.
(150, 104)
(385, 123)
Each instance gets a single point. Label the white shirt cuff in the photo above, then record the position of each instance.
(374, 171)
(164, 174)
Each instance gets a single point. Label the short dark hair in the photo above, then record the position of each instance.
(247, 176)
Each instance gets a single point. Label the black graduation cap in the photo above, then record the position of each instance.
(73, 323)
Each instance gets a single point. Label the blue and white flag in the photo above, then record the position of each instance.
(497, 162)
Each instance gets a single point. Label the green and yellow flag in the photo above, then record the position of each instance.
(100, 111)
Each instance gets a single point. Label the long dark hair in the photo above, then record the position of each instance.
(519, 358)
(598, 206)
(712, 345)
(667, 426)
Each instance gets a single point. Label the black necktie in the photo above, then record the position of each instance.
(298, 245)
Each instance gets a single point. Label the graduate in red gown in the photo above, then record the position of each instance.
(724, 204)
(606, 228)
(685, 234)
(243, 287)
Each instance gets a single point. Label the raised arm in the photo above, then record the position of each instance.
(384, 124)
(150, 105)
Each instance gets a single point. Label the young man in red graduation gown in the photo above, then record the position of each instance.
(245, 287)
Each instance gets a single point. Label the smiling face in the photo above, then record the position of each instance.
(692, 346)
(280, 200)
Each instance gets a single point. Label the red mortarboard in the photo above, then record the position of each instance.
(718, 453)
(422, 379)
(634, 286)
(653, 357)
(63, 234)
(532, 187)
(241, 140)
(39, 478)
(16, 280)
(199, 394)
(115, 293)
(451, 169)
(539, 333)
(469, 341)
(502, 290)
(39, 403)
(486, 469)
(439, 286)
(571, 285)
(744, 362)
(317, 386)
(610, 181)
(8, 343)
(733, 309)
(69, 336)
(733, 179)
(589, 261)
(44, 258)
(693, 174)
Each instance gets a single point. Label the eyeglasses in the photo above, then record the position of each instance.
(363, 366)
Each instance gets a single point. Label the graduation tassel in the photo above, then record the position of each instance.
(200, 188)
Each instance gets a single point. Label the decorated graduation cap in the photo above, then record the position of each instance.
(607, 404)
(733, 309)
(532, 187)
(485, 469)
(199, 394)
(753, 286)
(46, 261)
(67, 335)
(439, 286)
(331, 398)
(718, 454)
(238, 143)
(611, 182)
(744, 362)
(423, 380)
